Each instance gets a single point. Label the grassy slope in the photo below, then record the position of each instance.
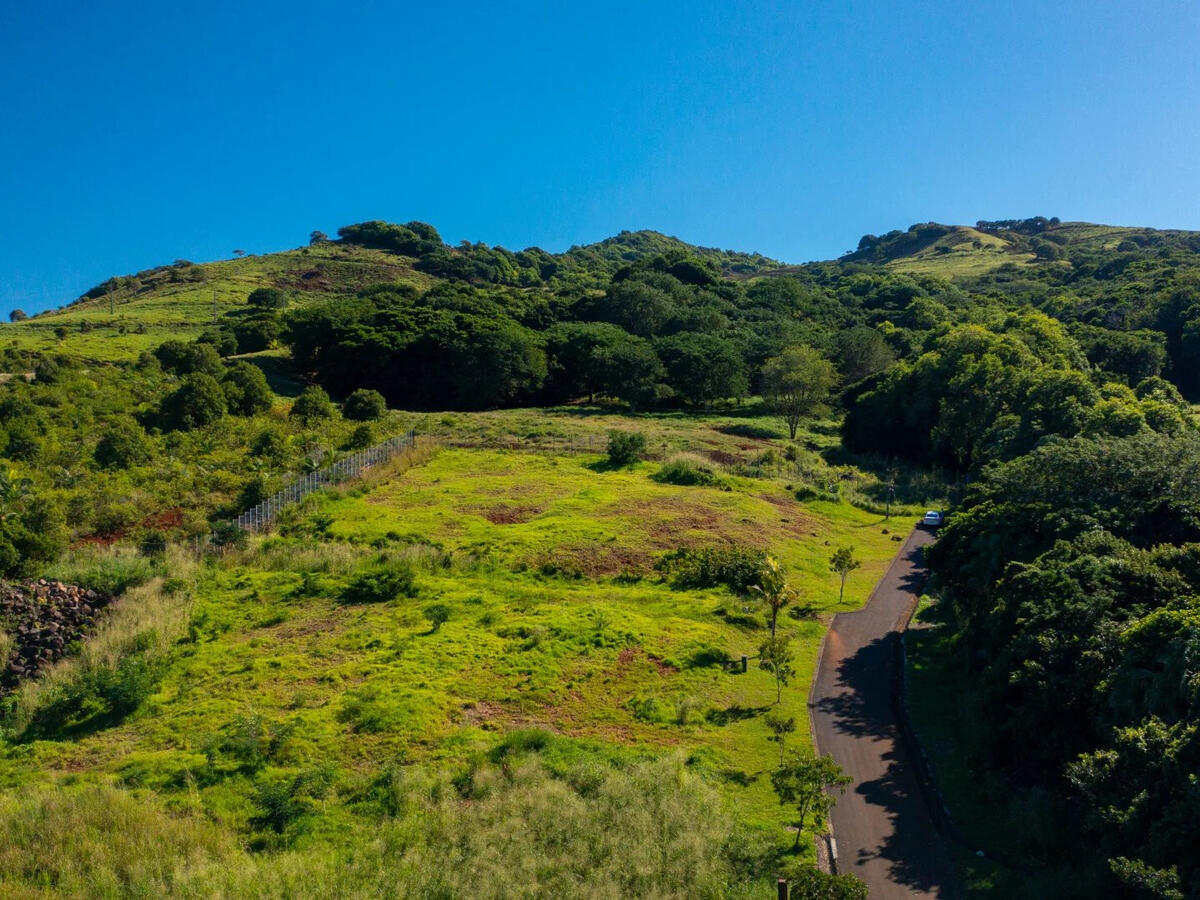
(956, 256)
(143, 320)
(541, 631)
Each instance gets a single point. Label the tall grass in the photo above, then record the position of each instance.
(100, 841)
(144, 622)
(651, 829)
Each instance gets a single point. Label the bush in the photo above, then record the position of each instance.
(185, 359)
(229, 535)
(125, 444)
(259, 333)
(46, 371)
(438, 615)
(736, 568)
(625, 447)
(312, 404)
(246, 389)
(153, 544)
(364, 406)
(361, 437)
(379, 585)
(688, 470)
(109, 572)
(197, 402)
(267, 298)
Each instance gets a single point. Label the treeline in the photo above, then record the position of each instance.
(477, 263)
(668, 329)
(1073, 573)
(978, 395)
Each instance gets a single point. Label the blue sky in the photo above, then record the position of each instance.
(132, 134)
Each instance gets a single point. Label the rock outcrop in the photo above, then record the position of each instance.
(43, 619)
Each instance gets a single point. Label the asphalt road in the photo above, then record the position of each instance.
(882, 827)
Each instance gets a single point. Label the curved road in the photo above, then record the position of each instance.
(882, 828)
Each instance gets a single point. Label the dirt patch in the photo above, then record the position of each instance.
(594, 561)
(629, 655)
(511, 515)
(724, 457)
(664, 667)
(165, 520)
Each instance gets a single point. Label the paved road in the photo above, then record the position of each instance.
(881, 825)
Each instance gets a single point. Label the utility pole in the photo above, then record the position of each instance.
(214, 311)
(112, 305)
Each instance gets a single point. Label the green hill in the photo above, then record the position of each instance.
(125, 315)
(530, 652)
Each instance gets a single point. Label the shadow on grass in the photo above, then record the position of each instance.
(734, 713)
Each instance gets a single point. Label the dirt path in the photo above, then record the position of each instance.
(881, 826)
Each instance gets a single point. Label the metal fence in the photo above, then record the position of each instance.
(261, 516)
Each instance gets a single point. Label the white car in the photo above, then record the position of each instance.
(932, 519)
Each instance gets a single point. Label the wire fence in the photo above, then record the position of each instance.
(261, 516)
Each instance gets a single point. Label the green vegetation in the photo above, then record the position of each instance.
(1069, 596)
(636, 455)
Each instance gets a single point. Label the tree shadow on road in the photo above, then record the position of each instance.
(863, 709)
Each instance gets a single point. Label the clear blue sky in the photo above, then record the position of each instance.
(135, 133)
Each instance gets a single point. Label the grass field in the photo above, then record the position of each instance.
(556, 619)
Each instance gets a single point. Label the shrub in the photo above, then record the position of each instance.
(379, 585)
(46, 371)
(689, 470)
(246, 389)
(364, 405)
(362, 437)
(259, 333)
(229, 535)
(224, 343)
(110, 571)
(438, 615)
(185, 359)
(153, 544)
(198, 401)
(267, 298)
(736, 568)
(312, 404)
(123, 445)
(625, 447)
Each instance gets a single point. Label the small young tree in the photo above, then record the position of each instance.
(773, 588)
(438, 615)
(775, 656)
(317, 237)
(803, 781)
(797, 383)
(17, 315)
(780, 729)
(843, 563)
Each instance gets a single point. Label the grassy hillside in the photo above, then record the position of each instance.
(503, 660)
(268, 673)
(178, 301)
